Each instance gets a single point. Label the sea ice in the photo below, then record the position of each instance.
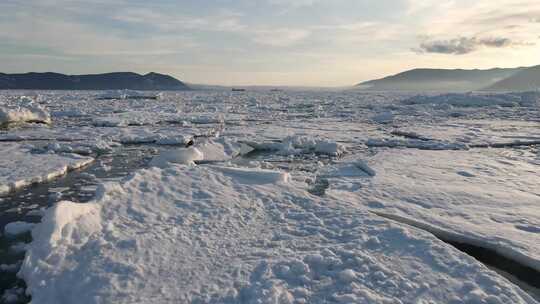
(219, 236)
(18, 166)
(477, 197)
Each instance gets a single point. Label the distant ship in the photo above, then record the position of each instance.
(238, 90)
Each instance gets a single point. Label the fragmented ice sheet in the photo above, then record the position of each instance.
(478, 99)
(488, 198)
(195, 234)
(19, 167)
(477, 132)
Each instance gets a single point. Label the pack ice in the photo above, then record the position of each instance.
(390, 172)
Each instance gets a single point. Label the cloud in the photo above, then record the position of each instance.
(280, 37)
(464, 45)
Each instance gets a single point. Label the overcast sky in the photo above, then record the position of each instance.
(267, 42)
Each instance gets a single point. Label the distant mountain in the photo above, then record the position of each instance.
(525, 80)
(108, 81)
(440, 80)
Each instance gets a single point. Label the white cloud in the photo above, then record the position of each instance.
(279, 37)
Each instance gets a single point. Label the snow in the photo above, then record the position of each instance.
(16, 228)
(18, 166)
(217, 237)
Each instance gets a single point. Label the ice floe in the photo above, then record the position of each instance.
(219, 236)
(484, 198)
(20, 167)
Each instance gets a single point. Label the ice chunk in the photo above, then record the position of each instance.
(383, 118)
(186, 156)
(173, 140)
(17, 228)
(328, 148)
(298, 144)
(30, 113)
(254, 176)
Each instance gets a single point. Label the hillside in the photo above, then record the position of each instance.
(108, 81)
(526, 80)
(439, 80)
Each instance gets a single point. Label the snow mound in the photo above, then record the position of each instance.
(222, 149)
(186, 156)
(216, 240)
(24, 113)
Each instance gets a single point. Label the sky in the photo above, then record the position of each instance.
(267, 42)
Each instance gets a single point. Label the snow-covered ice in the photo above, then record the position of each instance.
(297, 197)
(186, 156)
(25, 111)
(219, 239)
(20, 167)
(488, 198)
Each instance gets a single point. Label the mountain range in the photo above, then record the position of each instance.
(459, 80)
(108, 81)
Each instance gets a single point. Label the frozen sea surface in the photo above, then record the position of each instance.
(281, 197)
